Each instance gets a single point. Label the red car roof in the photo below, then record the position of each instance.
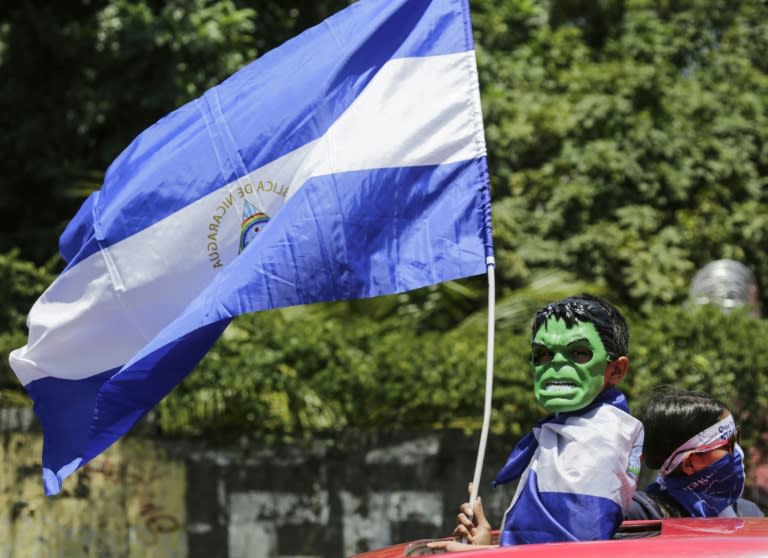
(699, 537)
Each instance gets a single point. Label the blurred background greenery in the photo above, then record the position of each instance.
(628, 147)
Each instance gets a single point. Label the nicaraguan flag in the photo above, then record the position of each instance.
(348, 163)
(577, 472)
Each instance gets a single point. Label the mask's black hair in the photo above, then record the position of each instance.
(672, 417)
(608, 321)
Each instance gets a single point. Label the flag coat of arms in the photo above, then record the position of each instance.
(349, 162)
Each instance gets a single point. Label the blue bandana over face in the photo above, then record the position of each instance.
(709, 491)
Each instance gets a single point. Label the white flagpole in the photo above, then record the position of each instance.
(491, 264)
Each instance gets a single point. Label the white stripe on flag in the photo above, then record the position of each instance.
(416, 111)
(571, 454)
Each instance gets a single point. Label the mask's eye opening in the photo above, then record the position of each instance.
(541, 355)
(580, 355)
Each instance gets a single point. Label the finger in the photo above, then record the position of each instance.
(473, 494)
(461, 531)
(471, 505)
(472, 516)
(478, 510)
(463, 519)
(450, 546)
(480, 519)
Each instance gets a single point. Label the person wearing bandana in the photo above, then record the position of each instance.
(577, 470)
(692, 439)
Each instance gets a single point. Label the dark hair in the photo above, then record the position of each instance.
(608, 321)
(672, 417)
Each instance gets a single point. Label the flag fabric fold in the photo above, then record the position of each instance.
(349, 162)
(559, 497)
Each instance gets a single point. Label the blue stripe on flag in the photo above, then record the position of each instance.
(338, 251)
(64, 408)
(348, 163)
(558, 517)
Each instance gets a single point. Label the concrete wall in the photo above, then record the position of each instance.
(331, 498)
(130, 502)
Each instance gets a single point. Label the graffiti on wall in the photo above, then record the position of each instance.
(128, 502)
(145, 483)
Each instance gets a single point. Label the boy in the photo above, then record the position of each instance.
(578, 469)
(692, 439)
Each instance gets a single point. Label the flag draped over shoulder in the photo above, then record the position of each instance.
(559, 496)
(349, 162)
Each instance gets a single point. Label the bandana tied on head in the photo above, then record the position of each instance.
(713, 489)
(718, 432)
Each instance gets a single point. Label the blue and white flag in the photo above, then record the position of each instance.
(348, 163)
(577, 472)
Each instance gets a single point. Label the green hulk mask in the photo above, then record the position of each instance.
(569, 365)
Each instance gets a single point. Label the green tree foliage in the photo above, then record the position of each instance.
(22, 283)
(79, 80)
(634, 160)
(704, 349)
